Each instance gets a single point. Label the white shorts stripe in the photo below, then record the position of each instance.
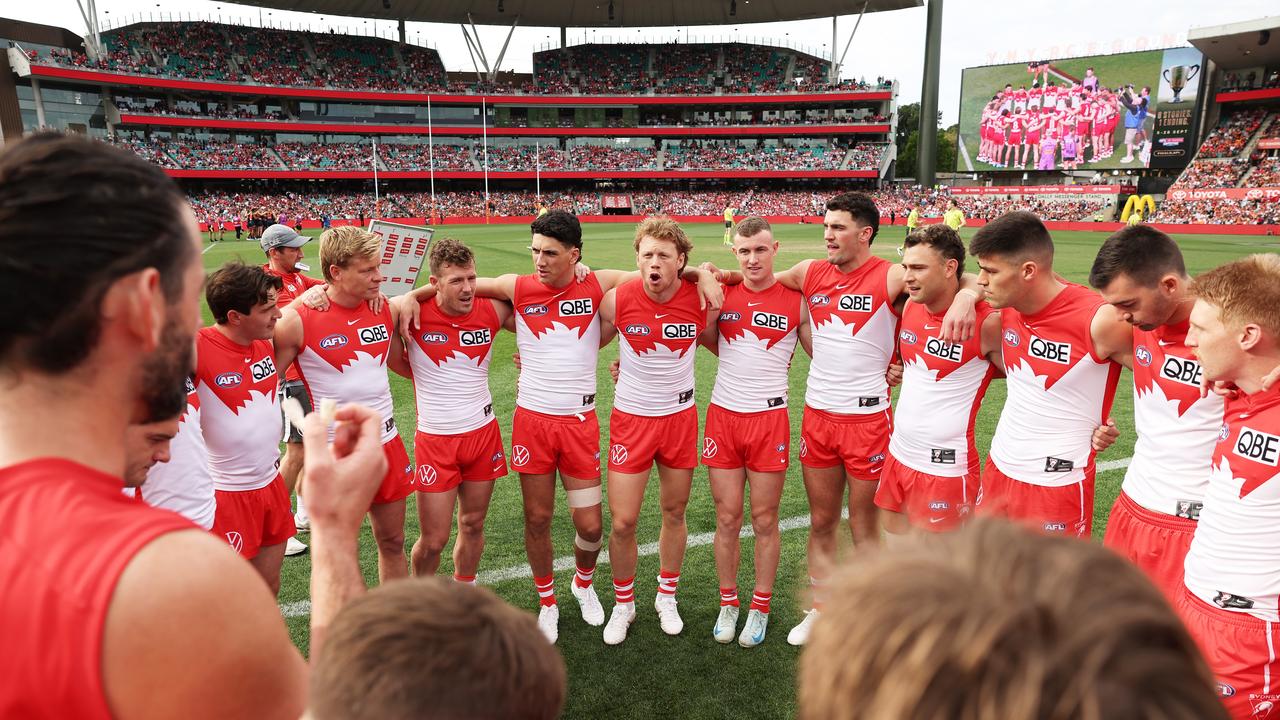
(1271, 658)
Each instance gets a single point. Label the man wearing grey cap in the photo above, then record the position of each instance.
(283, 246)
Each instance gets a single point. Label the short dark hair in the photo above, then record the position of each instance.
(75, 216)
(860, 207)
(751, 226)
(239, 287)
(941, 238)
(447, 251)
(1017, 235)
(427, 647)
(561, 225)
(1140, 251)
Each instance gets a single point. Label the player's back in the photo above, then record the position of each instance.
(1058, 390)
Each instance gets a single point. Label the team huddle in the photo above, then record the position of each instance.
(1195, 496)
(1050, 126)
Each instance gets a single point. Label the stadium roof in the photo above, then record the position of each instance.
(1240, 45)
(588, 13)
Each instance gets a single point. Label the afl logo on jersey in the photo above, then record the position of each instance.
(534, 310)
(730, 316)
(819, 300)
(435, 338)
(636, 329)
(908, 337)
(373, 335)
(1143, 355)
(228, 380)
(334, 341)
(1011, 338)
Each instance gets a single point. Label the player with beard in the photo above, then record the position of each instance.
(1062, 345)
(1232, 571)
(555, 427)
(240, 413)
(100, 284)
(458, 447)
(1140, 271)
(747, 437)
(342, 354)
(659, 319)
(852, 301)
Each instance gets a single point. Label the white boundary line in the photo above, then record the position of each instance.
(302, 608)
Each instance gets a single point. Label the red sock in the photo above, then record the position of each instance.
(468, 579)
(729, 596)
(624, 590)
(546, 587)
(583, 576)
(760, 601)
(667, 582)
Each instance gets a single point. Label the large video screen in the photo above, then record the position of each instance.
(1131, 110)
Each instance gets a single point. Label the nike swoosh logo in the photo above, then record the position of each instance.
(353, 322)
(930, 327)
(1164, 343)
(841, 287)
(661, 316)
(935, 521)
(753, 304)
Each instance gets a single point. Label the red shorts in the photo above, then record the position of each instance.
(397, 484)
(637, 441)
(1239, 650)
(542, 443)
(1067, 509)
(759, 441)
(1155, 542)
(1082, 129)
(931, 502)
(859, 442)
(446, 461)
(1015, 139)
(253, 519)
(1033, 139)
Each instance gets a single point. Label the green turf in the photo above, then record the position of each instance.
(981, 83)
(690, 675)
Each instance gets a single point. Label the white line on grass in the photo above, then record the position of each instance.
(302, 608)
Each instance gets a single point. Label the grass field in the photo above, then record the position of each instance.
(981, 83)
(690, 676)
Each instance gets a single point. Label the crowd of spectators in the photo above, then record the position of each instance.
(605, 157)
(728, 155)
(1219, 211)
(1267, 174)
(420, 158)
(520, 157)
(325, 156)
(1211, 173)
(200, 154)
(188, 108)
(1252, 80)
(755, 68)
(1232, 134)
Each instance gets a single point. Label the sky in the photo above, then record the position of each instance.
(890, 44)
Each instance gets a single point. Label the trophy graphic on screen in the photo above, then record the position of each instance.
(1178, 76)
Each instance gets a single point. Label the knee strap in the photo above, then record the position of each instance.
(584, 497)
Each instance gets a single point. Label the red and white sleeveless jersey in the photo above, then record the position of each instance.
(656, 344)
(183, 484)
(1058, 391)
(758, 333)
(344, 357)
(239, 410)
(942, 388)
(1177, 429)
(854, 333)
(558, 335)
(1234, 560)
(450, 357)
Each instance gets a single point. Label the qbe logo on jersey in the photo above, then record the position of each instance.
(577, 308)
(1258, 446)
(1051, 350)
(855, 303)
(1181, 370)
(472, 338)
(944, 350)
(769, 321)
(679, 331)
(263, 369)
(373, 335)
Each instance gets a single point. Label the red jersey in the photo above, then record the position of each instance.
(1234, 560)
(450, 359)
(656, 344)
(295, 283)
(758, 333)
(558, 335)
(344, 357)
(239, 410)
(183, 484)
(68, 534)
(1058, 391)
(942, 389)
(1177, 429)
(854, 334)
